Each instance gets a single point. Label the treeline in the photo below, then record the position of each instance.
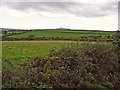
(13, 32)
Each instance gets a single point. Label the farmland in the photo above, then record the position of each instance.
(67, 34)
(53, 59)
(20, 51)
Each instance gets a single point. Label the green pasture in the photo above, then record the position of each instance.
(62, 33)
(20, 51)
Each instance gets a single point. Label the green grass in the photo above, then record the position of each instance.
(1, 34)
(62, 33)
(20, 51)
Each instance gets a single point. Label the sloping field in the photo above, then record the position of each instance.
(62, 33)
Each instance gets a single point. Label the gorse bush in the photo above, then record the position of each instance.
(99, 62)
(90, 65)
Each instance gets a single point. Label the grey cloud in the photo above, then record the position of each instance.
(96, 10)
(76, 8)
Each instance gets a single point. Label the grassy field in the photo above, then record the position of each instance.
(20, 51)
(62, 33)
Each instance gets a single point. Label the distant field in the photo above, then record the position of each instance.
(0, 34)
(62, 33)
(20, 51)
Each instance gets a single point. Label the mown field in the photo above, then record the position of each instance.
(62, 33)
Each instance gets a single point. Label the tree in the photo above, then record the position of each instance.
(118, 34)
(31, 37)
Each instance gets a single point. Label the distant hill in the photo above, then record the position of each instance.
(11, 29)
(63, 28)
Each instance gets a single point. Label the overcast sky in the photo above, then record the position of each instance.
(85, 14)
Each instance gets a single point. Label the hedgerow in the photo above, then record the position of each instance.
(91, 65)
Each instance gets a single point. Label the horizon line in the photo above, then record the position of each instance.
(60, 28)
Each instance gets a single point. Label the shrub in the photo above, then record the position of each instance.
(90, 65)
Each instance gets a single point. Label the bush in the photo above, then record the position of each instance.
(77, 66)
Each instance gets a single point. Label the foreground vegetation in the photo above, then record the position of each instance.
(91, 65)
